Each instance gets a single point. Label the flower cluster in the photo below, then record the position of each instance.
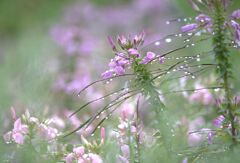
(29, 127)
(205, 22)
(81, 156)
(126, 54)
(18, 133)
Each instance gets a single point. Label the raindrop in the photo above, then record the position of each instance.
(167, 22)
(179, 20)
(185, 19)
(98, 127)
(157, 43)
(168, 40)
(97, 117)
(92, 134)
(198, 34)
(216, 90)
(180, 35)
(193, 44)
(189, 34)
(193, 77)
(198, 59)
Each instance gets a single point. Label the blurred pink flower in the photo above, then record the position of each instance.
(48, 132)
(202, 96)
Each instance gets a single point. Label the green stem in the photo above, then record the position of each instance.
(222, 59)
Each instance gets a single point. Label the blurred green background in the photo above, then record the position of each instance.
(27, 52)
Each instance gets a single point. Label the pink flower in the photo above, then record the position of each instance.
(69, 158)
(189, 27)
(218, 121)
(79, 151)
(133, 52)
(201, 95)
(95, 158)
(18, 138)
(125, 151)
(48, 132)
(236, 14)
(19, 127)
(148, 58)
(119, 70)
(202, 18)
(111, 43)
(107, 74)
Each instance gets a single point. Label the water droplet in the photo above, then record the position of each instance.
(185, 19)
(180, 35)
(168, 40)
(179, 20)
(193, 77)
(189, 34)
(193, 44)
(157, 43)
(167, 22)
(98, 127)
(216, 90)
(198, 34)
(198, 59)
(97, 117)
